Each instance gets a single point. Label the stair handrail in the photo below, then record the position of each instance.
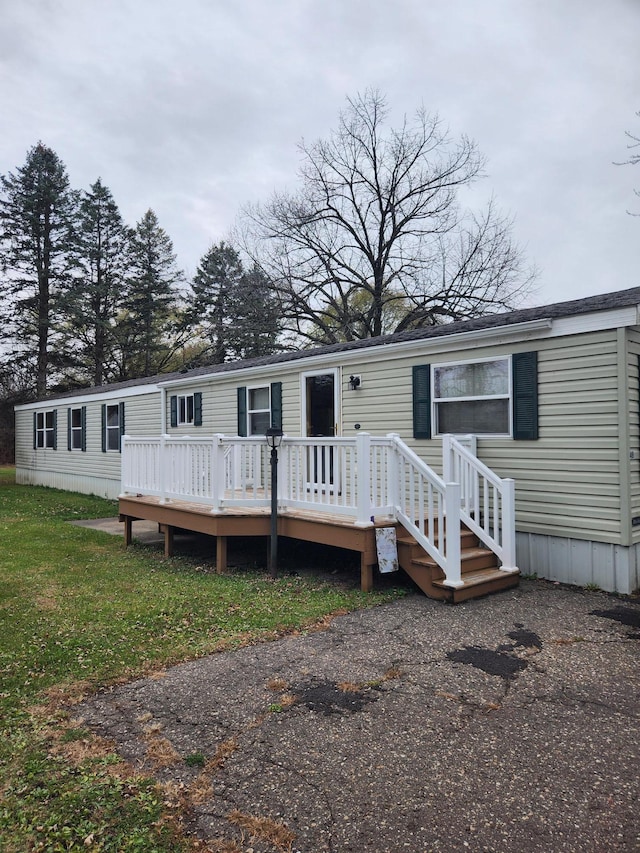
(487, 501)
(426, 513)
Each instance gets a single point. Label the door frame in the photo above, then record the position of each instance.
(337, 415)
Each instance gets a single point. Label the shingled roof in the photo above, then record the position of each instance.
(590, 304)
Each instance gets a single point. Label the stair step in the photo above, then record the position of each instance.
(479, 568)
(468, 539)
(479, 583)
(471, 560)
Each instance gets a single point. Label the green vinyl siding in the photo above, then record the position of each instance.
(633, 372)
(568, 480)
(91, 471)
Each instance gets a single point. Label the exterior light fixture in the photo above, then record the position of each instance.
(274, 437)
(354, 382)
(274, 440)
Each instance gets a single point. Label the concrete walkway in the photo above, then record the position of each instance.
(144, 531)
(505, 724)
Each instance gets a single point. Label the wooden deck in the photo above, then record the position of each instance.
(323, 528)
(481, 573)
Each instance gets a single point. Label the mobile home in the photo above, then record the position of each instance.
(545, 397)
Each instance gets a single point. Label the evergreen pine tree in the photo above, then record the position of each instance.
(36, 214)
(254, 316)
(150, 305)
(102, 243)
(216, 279)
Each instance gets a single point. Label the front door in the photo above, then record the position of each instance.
(319, 408)
(320, 400)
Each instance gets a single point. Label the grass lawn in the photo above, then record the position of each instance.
(77, 611)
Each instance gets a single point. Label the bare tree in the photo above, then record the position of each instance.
(634, 157)
(375, 240)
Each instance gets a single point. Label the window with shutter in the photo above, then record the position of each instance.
(76, 428)
(259, 407)
(486, 397)
(112, 426)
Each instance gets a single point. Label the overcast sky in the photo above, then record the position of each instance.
(195, 107)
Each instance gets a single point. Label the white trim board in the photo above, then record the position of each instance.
(101, 396)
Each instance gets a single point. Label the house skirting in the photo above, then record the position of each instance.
(83, 483)
(614, 568)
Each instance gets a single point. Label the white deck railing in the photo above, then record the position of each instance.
(487, 502)
(359, 477)
(429, 508)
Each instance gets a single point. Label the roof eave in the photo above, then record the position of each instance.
(506, 332)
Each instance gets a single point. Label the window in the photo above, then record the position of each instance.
(77, 428)
(472, 398)
(112, 426)
(489, 397)
(186, 409)
(259, 408)
(45, 429)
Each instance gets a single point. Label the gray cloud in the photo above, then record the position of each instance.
(195, 107)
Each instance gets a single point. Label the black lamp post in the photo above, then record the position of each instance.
(274, 440)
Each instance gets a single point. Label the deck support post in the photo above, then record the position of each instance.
(221, 554)
(168, 540)
(366, 574)
(128, 522)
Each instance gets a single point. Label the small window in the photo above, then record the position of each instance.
(473, 397)
(185, 409)
(258, 410)
(112, 426)
(76, 429)
(45, 429)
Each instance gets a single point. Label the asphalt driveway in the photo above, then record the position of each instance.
(510, 723)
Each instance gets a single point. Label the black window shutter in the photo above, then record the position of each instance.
(421, 401)
(104, 427)
(68, 429)
(276, 405)
(197, 409)
(55, 429)
(121, 419)
(84, 429)
(174, 411)
(525, 396)
(35, 430)
(242, 410)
